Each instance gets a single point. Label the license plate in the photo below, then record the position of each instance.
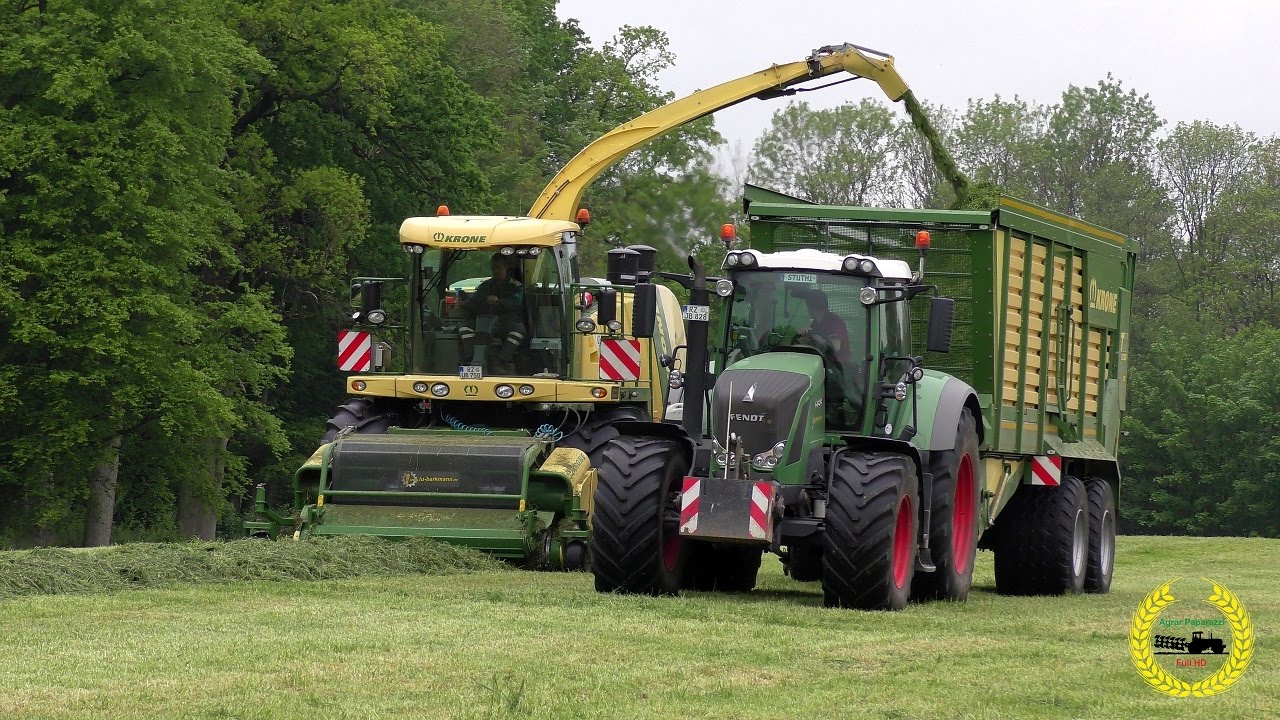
(697, 312)
(799, 278)
(470, 372)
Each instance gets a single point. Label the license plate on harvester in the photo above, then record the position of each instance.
(470, 372)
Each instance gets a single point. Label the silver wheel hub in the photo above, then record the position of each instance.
(1079, 543)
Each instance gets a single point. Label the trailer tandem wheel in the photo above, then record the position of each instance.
(1102, 536)
(1042, 542)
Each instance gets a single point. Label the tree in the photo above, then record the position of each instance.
(114, 121)
(841, 156)
(1001, 142)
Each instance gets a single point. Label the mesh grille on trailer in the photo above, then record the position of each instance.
(948, 265)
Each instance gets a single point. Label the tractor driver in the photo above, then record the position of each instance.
(827, 327)
(501, 295)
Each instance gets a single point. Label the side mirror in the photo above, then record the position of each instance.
(371, 302)
(644, 310)
(607, 309)
(942, 313)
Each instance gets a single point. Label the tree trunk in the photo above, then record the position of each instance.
(197, 514)
(102, 498)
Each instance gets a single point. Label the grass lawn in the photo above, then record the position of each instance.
(504, 644)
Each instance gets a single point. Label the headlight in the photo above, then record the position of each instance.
(765, 460)
(724, 288)
(585, 325)
(850, 264)
(377, 317)
(420, 388)
(900, 392)
(504, 391)
(535, 251)
(508, 250)
(867, 266)
(676, 381)
(614, 325)
(868, 295)
(779, 449)
(439, 389)
(748, 260)
(731, 260)
(526, 390)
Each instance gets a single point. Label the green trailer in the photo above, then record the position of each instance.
(878, 451)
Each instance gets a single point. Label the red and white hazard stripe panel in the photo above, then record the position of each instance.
(689, 505)
(619, 359)
(355, 351)
(761, 500)
(1046, 470)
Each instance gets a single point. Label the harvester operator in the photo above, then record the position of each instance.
(502, 295)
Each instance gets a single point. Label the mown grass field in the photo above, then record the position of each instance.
(501, 644)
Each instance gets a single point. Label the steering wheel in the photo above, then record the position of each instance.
(817, 342)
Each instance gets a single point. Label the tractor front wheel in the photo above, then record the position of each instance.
(635, 545)
(869, 545)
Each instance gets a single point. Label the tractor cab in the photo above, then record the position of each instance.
(809, 343)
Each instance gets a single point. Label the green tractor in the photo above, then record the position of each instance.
(825, 439)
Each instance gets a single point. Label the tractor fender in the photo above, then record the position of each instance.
(942, 398)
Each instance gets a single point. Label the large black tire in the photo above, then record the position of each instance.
(367, 415)
(723, 566)
(869, 545)
(953, 525)
(634, 550)
(597, 430)
(1042, 540)
(1102, 536)
(804, 562)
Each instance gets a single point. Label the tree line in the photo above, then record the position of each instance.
(1202, 434)
(187, 186)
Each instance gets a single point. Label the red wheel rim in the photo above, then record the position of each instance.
(671, 552)
(902, 541)
(962, 515)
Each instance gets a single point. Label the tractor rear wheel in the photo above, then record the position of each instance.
(635, 545)
(869, 545)
(1042, 543)
(369, 416)
(1102, 536)
(725, 567)
(953, 526)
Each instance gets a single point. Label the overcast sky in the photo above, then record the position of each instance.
(1215, 61)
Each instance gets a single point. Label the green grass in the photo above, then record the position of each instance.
(514, 644)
